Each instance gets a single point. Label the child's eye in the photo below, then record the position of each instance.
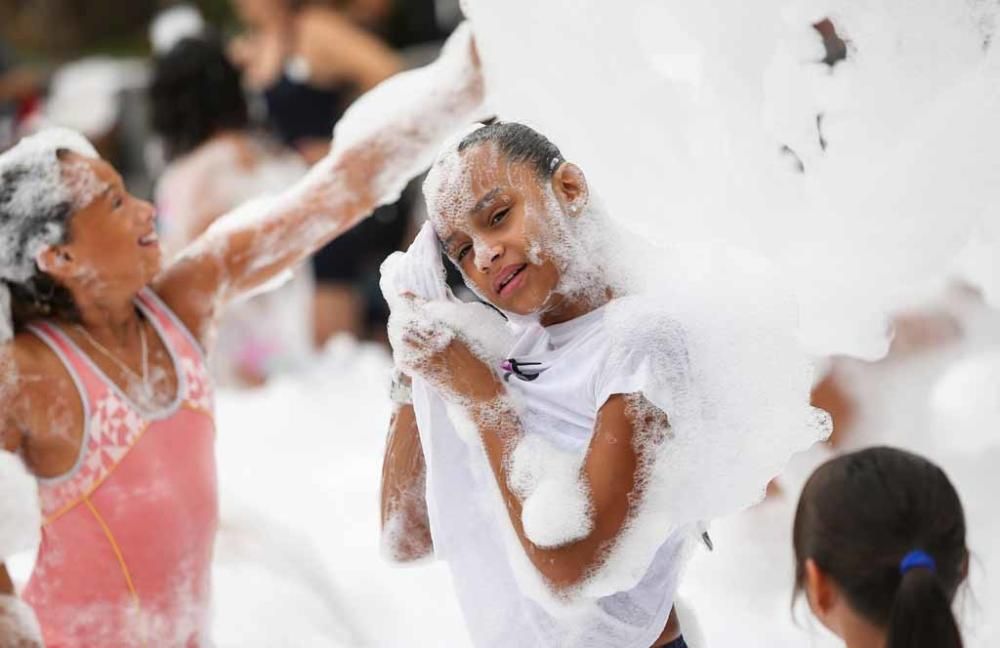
(116, 202)
(463, 251)
(499, 216)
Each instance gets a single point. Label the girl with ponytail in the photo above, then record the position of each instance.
(880, 550)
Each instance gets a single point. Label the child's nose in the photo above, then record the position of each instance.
(486, 255)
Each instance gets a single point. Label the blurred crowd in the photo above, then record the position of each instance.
(215, 107)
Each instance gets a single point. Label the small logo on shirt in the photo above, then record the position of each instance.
(512, 367)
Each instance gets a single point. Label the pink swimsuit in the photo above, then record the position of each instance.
(126, 549)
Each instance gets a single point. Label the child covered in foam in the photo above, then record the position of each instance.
(560, 461)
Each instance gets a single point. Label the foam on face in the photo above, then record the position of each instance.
(573, 238)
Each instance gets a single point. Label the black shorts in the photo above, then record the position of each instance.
(361, 250)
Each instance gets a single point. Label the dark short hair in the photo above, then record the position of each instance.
(195, 93)
(518, 143)
(860, 515)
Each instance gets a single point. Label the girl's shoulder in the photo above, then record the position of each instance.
(638, 323)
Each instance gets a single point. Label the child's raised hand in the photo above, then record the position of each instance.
(418, 271)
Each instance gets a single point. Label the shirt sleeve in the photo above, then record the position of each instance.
(641, 352)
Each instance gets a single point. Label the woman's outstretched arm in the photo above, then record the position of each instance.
(386, 138)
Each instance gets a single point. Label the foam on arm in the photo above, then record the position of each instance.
(386, 138)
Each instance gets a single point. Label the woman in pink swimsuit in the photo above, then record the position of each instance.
(106, 396)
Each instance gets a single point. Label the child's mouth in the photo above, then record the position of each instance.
(512, 280)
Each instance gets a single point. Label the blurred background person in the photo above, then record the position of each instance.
(215, 161)
(20, 92)
(308, 62)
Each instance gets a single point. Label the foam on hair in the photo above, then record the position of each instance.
(37, 197)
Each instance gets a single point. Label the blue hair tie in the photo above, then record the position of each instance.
(917, 559)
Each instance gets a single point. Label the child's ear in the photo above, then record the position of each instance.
(821, 593)
(571, 188)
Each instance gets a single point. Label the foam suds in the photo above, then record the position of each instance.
(20, 517)
(18, 624)
(385, 138)
(699, 123)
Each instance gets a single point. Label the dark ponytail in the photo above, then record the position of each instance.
(888, 528)
(921, 615)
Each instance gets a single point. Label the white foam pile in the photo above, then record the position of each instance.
(310, 530)
(695, 128)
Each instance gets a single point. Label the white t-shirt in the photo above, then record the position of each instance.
(578, 370)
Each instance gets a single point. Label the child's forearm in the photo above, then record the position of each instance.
(405, 527)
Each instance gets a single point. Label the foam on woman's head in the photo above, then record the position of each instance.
(36, 201)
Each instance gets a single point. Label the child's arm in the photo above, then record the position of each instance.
(387, 137)
(610, 472)
(406, 533)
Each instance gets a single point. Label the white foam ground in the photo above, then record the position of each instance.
(298, 559)
(299, 467)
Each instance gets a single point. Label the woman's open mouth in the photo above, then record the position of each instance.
(149, 239)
